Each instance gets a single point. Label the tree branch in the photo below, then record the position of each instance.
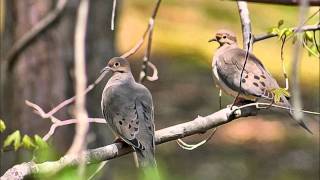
(82, 126)
(199, 125)
(196, 126)
(39, 28)
(285, 2)
(245, 24)
(295, 71)
(270, 35)
(146, 58)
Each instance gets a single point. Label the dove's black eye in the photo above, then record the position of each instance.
(116, 64)
(224, 36)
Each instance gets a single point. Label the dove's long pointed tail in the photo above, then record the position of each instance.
(300, 121)
(146, 158)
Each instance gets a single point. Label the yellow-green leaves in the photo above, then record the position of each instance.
(2, 126)
(309, 43)
(40, 142)
(15, 139)
(280, 32)
(278, 93)
(27, 142)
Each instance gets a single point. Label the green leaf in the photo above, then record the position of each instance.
(274, 30)
(2, 126)
(280, 23)
(308, 35)
(278, 93)
(15, 139)
(289, 32)
(312, 50)
(40, 143)
(27, 142)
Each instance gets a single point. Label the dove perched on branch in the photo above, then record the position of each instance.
(128, 108)
(257, 84)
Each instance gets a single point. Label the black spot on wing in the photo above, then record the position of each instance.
(256, 84)
(256, 77)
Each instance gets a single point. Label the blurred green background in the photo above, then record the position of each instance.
(269, 146)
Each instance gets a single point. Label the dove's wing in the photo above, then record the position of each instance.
(129, 112)
(256, 80)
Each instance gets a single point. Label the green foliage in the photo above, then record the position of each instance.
(278, 93)
(15, 139)
(310, 44)
(2, 126)
(281, 31)
(308, 40)
(40, 143)
(27, 142)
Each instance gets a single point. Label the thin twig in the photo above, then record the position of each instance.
(315, 42)
(146, 58)
(65, 102)
(17, 48)
(191, 147)
(113, 14)
(310, 17)
(79, 143)
(101, 165)
(283, 63)
(149, 27)
(67, 122)
(270, 35)
(220, 99)
(285, 2)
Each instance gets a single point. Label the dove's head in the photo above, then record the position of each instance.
(225, 37)
(117, 65)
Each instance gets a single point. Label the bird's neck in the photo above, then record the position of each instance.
(120, 78)
(225, 47)
(228, 46)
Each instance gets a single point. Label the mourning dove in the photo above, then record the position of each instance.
(128, 108)
(256, 83)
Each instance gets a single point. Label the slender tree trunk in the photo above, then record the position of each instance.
(43, 73)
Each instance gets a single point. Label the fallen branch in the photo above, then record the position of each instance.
(270, 35)
(39, 28)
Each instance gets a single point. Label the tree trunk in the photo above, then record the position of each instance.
(44, 73)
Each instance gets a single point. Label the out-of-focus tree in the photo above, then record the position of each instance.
(43, 71)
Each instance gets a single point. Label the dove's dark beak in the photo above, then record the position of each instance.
(213, 39)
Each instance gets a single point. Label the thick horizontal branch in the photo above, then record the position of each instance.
(198, 125)
(285, 2)
(270, 35)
